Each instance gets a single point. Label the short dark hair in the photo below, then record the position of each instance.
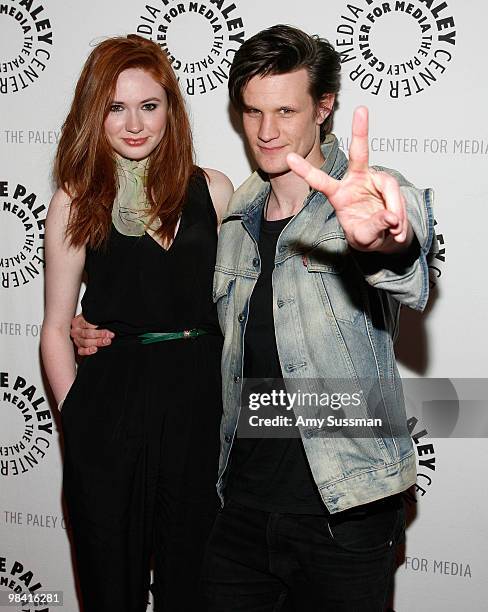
(282, 49)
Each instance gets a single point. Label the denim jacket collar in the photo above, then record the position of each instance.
(249, 200)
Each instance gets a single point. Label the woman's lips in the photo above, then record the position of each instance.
(135, 142)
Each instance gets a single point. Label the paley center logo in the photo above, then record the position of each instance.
(22, 220)
(25, 44)
(396, 49)
(20, 587)
(26, 425)
(199, 38)
(437, 259)
(433, 411)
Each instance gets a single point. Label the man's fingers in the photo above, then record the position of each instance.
(94, 334)
(317, 179)
(359, 148)
(393, 200)
(91, 338)
(84, 352)
(89, 325)
(369, 232)
(79, 322)
(82, 342)
(389, 219)
(384, 220)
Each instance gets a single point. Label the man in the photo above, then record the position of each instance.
(315, 257)
(308, 285)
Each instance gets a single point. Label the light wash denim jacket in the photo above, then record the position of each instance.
(335, 315)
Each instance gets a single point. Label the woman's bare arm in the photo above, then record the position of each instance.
(221, 190)
(64, 269)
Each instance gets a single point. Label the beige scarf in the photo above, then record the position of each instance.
(131, 209)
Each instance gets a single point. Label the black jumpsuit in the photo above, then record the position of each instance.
(141, 422)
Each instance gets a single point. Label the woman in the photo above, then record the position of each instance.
(140, 419)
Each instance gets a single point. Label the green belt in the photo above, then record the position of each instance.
(151, 337)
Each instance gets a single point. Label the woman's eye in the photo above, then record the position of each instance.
(115, 108)
(150, 106)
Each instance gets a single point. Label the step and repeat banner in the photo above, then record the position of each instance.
(420, 69)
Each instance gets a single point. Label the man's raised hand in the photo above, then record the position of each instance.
(369, 204)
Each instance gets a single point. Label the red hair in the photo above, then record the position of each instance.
(85, 161)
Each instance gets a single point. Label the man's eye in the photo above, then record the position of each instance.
(252, 111)
(286, 111)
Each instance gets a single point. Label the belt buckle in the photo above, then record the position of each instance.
(187, 334)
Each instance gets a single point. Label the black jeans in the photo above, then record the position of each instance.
(268, 561)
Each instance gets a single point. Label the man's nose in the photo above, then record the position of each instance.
(268, 129)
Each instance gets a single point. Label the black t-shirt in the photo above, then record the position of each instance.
(270, 474)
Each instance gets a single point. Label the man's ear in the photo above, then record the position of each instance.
(324, 107)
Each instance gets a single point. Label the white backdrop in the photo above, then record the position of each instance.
(419, 67)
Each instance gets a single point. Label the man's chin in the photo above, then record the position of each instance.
(273, 168)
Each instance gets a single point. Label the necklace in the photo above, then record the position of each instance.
(265, 209)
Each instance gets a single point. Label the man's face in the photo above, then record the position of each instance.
(281, 117)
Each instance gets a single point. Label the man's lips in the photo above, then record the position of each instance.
(135, 142)
(270, 150)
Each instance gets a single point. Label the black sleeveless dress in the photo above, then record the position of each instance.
(141, 422)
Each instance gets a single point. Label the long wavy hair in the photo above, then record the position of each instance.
(85, 162)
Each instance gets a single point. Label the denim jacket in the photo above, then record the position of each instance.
(335, 315)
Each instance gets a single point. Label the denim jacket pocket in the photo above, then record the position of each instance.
(336, 280)
(329, 255)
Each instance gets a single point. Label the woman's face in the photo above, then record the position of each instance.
(136, 122)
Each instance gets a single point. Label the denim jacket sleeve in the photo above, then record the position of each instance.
(405, 277)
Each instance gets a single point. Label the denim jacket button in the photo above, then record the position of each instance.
(255, 262)
(227, 438)
(237, 379)
(280, 303)
(282, 248)
(241, 318)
